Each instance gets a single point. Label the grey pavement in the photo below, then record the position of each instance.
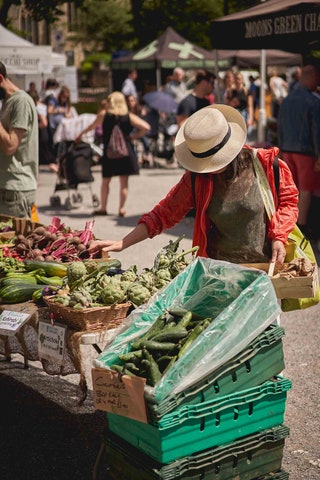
(45, 434)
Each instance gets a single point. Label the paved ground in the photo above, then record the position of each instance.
(45, 435)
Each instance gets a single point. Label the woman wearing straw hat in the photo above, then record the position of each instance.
(231, 223)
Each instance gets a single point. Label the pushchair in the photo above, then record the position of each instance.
(75, 161)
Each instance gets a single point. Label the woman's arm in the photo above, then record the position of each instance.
(141, 126)
(96, 123)
(138, 234)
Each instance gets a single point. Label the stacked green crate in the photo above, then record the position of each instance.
(238, 398)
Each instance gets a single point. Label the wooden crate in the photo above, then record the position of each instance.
(290, 287)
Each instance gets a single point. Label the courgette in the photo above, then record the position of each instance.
(12, 280)
(44, 280)
(51, 269)
(18, 293)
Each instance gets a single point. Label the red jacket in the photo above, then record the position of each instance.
(179, 201)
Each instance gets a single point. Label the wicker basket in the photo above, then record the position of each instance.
(96, 318)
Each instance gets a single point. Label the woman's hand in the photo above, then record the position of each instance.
(278, 251)
(106, 245)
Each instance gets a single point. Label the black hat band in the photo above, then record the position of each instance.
(215, 149)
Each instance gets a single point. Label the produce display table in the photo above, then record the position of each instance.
(25, 342)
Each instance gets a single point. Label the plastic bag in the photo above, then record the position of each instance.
(241, 301)
(298, 246)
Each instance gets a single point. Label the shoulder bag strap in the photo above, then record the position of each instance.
(264, 186)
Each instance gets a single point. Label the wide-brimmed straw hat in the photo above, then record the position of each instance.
(210, 138)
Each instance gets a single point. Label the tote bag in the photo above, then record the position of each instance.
(297, 246)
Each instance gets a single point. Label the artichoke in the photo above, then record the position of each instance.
(138, 294)
(75, 271)
(112, 294)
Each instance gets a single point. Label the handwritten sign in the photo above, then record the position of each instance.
(122, 395)
(11, 321)
(51, 341)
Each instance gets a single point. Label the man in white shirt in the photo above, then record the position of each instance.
(128, 86)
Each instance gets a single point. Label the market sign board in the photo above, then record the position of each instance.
(51, 341)
(291, 25)
(119, 394)
(11, 321)
(26, 60)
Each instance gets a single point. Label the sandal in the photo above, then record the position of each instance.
(99, 212)
(122, 213)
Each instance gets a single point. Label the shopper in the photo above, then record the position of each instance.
(204, 85)
(278, 89)
(299, 139)
(129, 87)
(230, 223)
(176, 87)
(132, 127)
(18, 149)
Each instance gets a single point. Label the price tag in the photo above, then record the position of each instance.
(123, 395)
(51, 341)
(11, 321)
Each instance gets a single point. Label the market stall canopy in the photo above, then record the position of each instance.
(22, 57)
(290, 24)
(251, 58)
(168, 51)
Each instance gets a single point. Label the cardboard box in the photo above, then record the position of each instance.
(290, 287)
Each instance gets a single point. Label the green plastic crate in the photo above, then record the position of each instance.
(260, 361)
(194, 428)
(229, 294)
(245, 459)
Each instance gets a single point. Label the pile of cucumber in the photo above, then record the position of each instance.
(170, 336)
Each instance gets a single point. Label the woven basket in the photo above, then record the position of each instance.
(96, 318)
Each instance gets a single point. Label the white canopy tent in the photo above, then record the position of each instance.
(26, 62)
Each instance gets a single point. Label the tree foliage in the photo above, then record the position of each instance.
(107, 24)
(39, 9)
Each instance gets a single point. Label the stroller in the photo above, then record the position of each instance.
(74, 161)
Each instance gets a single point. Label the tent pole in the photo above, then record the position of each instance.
(158, 76)
(217, 83)
(262, 112)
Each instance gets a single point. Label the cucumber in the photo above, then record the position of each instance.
(170, 335)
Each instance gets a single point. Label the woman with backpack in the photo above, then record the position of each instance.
(131, 126)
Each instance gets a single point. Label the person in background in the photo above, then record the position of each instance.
(176, 87)
(151, 116)
(132, 127)
(279, 90)
(129, 87)
(299, 139)
(204, 84)
(19, 151)
(295, 77)
(238, 98)
(231, 222)
(96, 125)
(32, 88)
(60, 107)
(46, 153)
(227, 86)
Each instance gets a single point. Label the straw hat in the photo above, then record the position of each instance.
(210, 138)
(117, 104)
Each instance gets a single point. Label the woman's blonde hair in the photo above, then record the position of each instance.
(117, 103)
